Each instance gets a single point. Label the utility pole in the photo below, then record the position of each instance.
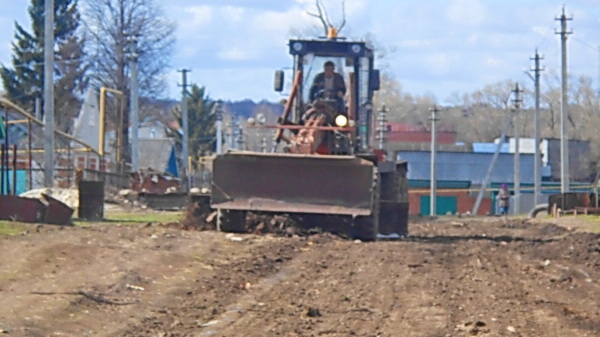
(48, 93)
(433, 178)
(219, 122)
(537, 164)
(185, 125)
(564, 136)
(517, 155)
(135, 120)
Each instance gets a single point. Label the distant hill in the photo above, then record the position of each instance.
(248, 108)
(160, 109)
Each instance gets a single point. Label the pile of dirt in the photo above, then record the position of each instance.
(199, 216)
(451, 277)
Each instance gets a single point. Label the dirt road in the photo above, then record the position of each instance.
(452, 277)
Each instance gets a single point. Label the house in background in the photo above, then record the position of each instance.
(155, 148)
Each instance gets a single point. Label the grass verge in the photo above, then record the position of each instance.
(8, 228)
(134, 218)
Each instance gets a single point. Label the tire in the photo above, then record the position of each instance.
(231, 221)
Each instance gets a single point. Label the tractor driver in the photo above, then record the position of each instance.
(329, 84)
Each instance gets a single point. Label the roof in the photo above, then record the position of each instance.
(154, 153)
(440, 184)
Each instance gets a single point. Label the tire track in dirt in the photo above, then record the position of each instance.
(344, 291)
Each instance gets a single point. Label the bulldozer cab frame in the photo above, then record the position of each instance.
(354, 61)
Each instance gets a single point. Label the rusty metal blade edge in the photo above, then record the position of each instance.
(269, 205)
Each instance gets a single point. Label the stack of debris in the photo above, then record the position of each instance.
(52, 206)
(68, 196)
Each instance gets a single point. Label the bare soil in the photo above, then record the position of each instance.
(451, 277)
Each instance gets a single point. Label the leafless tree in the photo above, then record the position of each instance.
(324, 17)
(110, 25)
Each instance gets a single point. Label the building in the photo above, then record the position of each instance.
(459, 178)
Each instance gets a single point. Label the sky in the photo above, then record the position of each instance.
(433, 47)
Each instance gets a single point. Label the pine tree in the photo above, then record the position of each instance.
(25, 80)
(201, 123)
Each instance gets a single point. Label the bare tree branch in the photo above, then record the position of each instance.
(326, 16)
(320, 16)
(343, 16)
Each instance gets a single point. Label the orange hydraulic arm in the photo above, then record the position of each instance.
(309, 138)
(288, 106)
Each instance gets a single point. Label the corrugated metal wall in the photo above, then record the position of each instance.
(467, 166)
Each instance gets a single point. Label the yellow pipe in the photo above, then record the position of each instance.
(55, 150)
(103, 92)
(19, 121)
(101, 136)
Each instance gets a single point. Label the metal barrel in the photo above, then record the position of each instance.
(292, 183)
(91, 200)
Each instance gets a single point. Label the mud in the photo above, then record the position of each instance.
(451, 277)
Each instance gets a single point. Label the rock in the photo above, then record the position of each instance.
(313, 312)
(511, 329)
(124, 193)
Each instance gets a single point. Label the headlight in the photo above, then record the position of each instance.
(341, 120)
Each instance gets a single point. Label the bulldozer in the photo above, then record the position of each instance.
(323, 170)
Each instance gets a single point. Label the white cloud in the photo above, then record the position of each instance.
(494, 62)
(197, 17)
(237, 54)
(235, 83)
(417, 43)
(439, 63)
(233, 13)
(467, 12)
(277, 24)
(543, 30)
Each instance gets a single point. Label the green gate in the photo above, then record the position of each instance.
(444, 204)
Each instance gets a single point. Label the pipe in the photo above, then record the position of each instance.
(102, 121)
(2, 169)
(103, 91)
(23, 113)
(14, 172)
(6, 153)
(29, 140)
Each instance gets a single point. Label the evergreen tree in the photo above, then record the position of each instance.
(201, 123)
(25, 80)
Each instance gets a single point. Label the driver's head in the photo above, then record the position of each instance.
(329, 68)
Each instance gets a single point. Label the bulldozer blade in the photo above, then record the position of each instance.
(293, 183)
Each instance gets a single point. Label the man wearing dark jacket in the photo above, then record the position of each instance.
(328, 84)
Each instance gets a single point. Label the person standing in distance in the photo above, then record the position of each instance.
(504, 196)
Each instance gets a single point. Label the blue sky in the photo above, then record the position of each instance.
(439, 47)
